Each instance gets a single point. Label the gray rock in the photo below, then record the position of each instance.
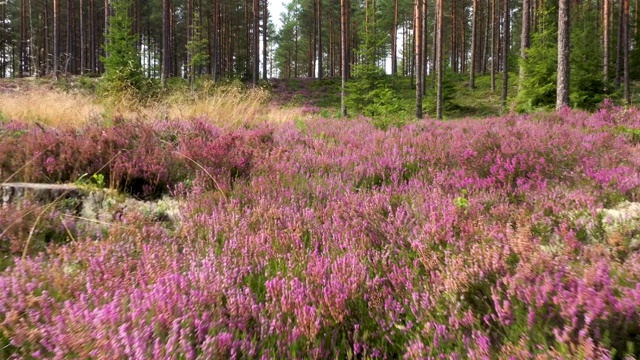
(15, 193)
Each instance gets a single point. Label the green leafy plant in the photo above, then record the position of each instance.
(96, 180)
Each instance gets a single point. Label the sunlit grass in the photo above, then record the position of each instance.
(229, 105)
(49, 107)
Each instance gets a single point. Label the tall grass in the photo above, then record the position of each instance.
(229, 106)
(49, 107)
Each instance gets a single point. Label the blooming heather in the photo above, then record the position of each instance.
(326, 238)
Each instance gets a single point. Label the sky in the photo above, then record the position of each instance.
(276, 7)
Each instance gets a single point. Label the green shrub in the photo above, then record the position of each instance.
(123, 77)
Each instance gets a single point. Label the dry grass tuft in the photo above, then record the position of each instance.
(49, 107)
(228, 106)
(225, 106)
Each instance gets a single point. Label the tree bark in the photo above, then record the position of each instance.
(56, 38)
(606, 46)
(320, 50)
(524, 40)
(494, 44)
(265, 23)
(166, 43)
(425, 39)
(474, 34)
(394, 40)
(82, 40)
(625, 51)
(256, 41)
(439, 44)
(418, 50)
(619, 53)
(344, 49)
(505, 52)
(562, 95)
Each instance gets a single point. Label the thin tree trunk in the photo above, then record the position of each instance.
(56, 38)
(454, 38)
(68, 50)
(505, 53)
(343, 45)
(619, 53)
(494, 44)
(562, 98)
(625, 51)
(419, 67)
(394, 40)
(524, 40)
(474, 34)
(486, 37)
(82, 39)
(256, 41)
(320, 50)
(265, 22)
(166, 43)
(45, 42)
(606, 46)
(439, 44)
(423, 57)
(106, 24)
(3, 43)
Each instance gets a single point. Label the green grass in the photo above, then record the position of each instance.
(460, 101)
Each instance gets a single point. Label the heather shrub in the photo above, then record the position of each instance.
(28, 229)
(333, 239)
(138, 158)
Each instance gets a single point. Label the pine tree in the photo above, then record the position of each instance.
(123, 76)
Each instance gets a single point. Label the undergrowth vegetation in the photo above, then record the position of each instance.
(323, 238)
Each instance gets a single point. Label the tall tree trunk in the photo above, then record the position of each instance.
(423, 57)
(344, 49)
(82, 39)
(619, 52)
(256, 41)
(22, 50)
(625, 51)
(419, 68)
(505, 53)
(92, 37)
(474, 35)
(394, 40)
(68, 51)
(189, 38)
(166, 43)
(562, 98)
(56, 38)
(215, 47)
(319, 30)
(3, 43)
(494, 43)
(265, 23)
(106, 24)
(454, 38)
(524, 40)
(439, 44)
(486, 37)
(606, 46)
